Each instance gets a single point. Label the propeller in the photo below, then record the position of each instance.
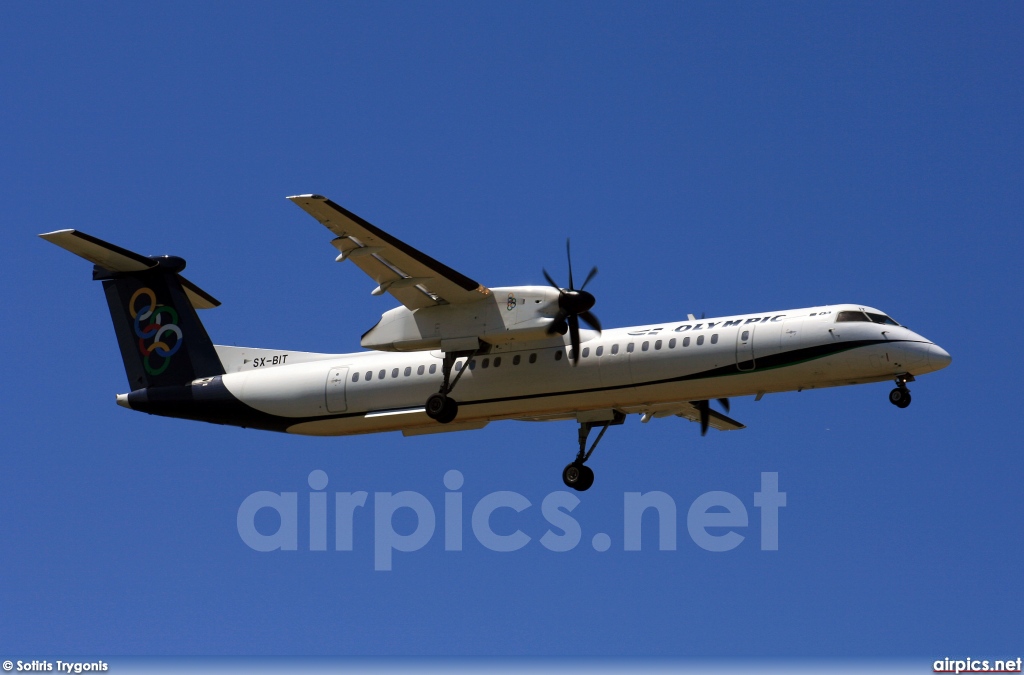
(573, 304)
(703, 407)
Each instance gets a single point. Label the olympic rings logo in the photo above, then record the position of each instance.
(511, 304)
(160, 325)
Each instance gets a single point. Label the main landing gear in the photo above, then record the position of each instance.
(900, 396)
(440, 406)
(578, 475)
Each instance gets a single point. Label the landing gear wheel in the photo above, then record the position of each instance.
(435, 405)
(441, 408)
(578, 476)
(451, 410)
(588, 478)
(900, 397)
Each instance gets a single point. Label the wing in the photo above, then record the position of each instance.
(414, 278)
(686, 410)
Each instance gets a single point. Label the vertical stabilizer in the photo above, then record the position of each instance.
(162, 340)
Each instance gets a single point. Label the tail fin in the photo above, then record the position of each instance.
(153, 308)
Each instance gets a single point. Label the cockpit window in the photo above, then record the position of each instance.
(851, 316)
(882, 319)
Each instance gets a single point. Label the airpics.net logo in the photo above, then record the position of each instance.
(713, 520)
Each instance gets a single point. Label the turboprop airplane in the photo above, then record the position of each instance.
(457, 355)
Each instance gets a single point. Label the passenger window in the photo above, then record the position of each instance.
(433, 368)
(700, 339)
(686, 342)
(572, 353)
(533, 357)
(380, 375)
(644, 346)
(486, 362)
(458, 366)
(629, 348)
(672, 343)
(586, 352)
(497, 361)
(714, 339)
(516, 359)
(355, 377)
(419, 371)
(408, 370)
(746, 335)
(472, 364)
(851, 316)
(368, 376)
(394, 373)
(599, 351)
(558, 355)
(615, 348)
(657, 345)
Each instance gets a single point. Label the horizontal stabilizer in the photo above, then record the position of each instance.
(117, 259)
(99, 252)
(199, 298)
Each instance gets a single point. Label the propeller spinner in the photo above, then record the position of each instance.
(573, 304)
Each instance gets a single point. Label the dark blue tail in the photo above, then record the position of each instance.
(162, 340)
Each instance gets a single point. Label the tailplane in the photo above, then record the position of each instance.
(153, 307)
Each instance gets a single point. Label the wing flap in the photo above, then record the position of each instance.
(386, 258)
(716, 420)
(688, 411)
(386, 277)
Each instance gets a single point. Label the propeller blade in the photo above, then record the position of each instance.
(592, 321)
(557, 324)
(702, 407)
(573, 304)
(702, 315)
(574, 337)
(724, 402)
(550, 280)
(593, 273)
(568, 254)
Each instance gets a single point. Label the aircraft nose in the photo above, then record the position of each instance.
(938, 357)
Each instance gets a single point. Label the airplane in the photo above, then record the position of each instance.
(516, 353)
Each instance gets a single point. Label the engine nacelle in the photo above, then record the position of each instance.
(507, 315)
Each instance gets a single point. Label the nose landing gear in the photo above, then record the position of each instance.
(900, 396)
(578, 476)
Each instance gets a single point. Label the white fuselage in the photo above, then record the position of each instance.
(643, 369)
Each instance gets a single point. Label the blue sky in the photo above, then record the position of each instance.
(713, 157)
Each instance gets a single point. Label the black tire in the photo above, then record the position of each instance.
(436, 404)
(451, 410)
(572, 475)
(588, 478)
(899, 397)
